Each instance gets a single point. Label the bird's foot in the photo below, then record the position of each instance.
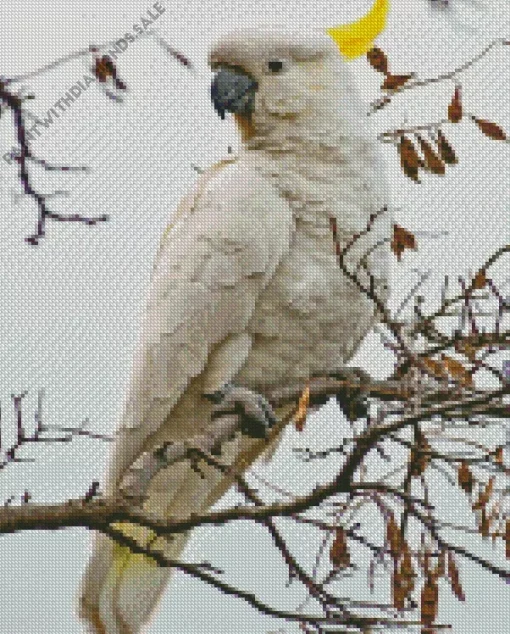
(352, 399)
(256, 416)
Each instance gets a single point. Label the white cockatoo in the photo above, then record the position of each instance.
(246, 290)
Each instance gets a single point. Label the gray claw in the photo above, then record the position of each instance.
(256, 416)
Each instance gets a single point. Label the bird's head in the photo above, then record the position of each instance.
(271, 79)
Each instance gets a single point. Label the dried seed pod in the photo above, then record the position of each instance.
(446, 151)
(398, 590)
(378, 60)
(393, 538)
(455, 107)
(429, 601)
(480, 280)
(432, 160)
(492, 130)
(484, 526)
(457, 371)
(407, 572)
(103, 68)
(392, 82)
(339, 553)
(507, 539)
(409, 158)
(402, 239)
(420, 456)
(425, 561)
(440, 568)
(465, 477)
(453, 577)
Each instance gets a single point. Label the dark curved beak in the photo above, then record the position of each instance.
(233, 91)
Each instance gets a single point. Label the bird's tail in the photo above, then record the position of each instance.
(121, 588)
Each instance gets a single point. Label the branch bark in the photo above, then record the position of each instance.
(98, 513)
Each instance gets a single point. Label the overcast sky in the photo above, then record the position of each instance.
(70, 307)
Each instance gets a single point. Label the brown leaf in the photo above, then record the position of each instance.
(485, 495)
(103, 68)
(457, 371)
(446, 151)
(466, 348)
(393, 537)
(402, 239)
(392, 82)
(339, 553)
(398, 590)
(485, 523)
(492, 130)
(429, 599)
(465, 477)
(409, 158)
(440, 569)
(480, 280)
(490, 487)
(407, 572)
(302, 409)
(408, 152)
(454, 579)
(432, 160)
(498, 455)
(435, 367)
(100, 70)
(455, 107)
(411, 172)
(378, 60)
(420, 456)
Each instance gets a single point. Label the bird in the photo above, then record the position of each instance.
(246, 292)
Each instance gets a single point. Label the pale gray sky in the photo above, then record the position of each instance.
(70, 308)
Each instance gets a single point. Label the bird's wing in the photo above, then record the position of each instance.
(219, 255)
(210, 269)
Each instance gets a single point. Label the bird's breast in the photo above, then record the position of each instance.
(309, 319)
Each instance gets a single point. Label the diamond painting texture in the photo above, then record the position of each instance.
(72, 305)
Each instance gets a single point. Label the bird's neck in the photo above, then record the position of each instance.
(316, 151)
(322, 170)
(327, 139)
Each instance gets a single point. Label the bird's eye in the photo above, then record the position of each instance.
(275, 66)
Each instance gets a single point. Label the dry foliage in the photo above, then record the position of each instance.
(339, 552)
(302, 409)
(402, 239)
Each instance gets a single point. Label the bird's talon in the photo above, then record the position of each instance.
(256, 416)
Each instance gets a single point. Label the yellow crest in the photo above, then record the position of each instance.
(357, 38)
